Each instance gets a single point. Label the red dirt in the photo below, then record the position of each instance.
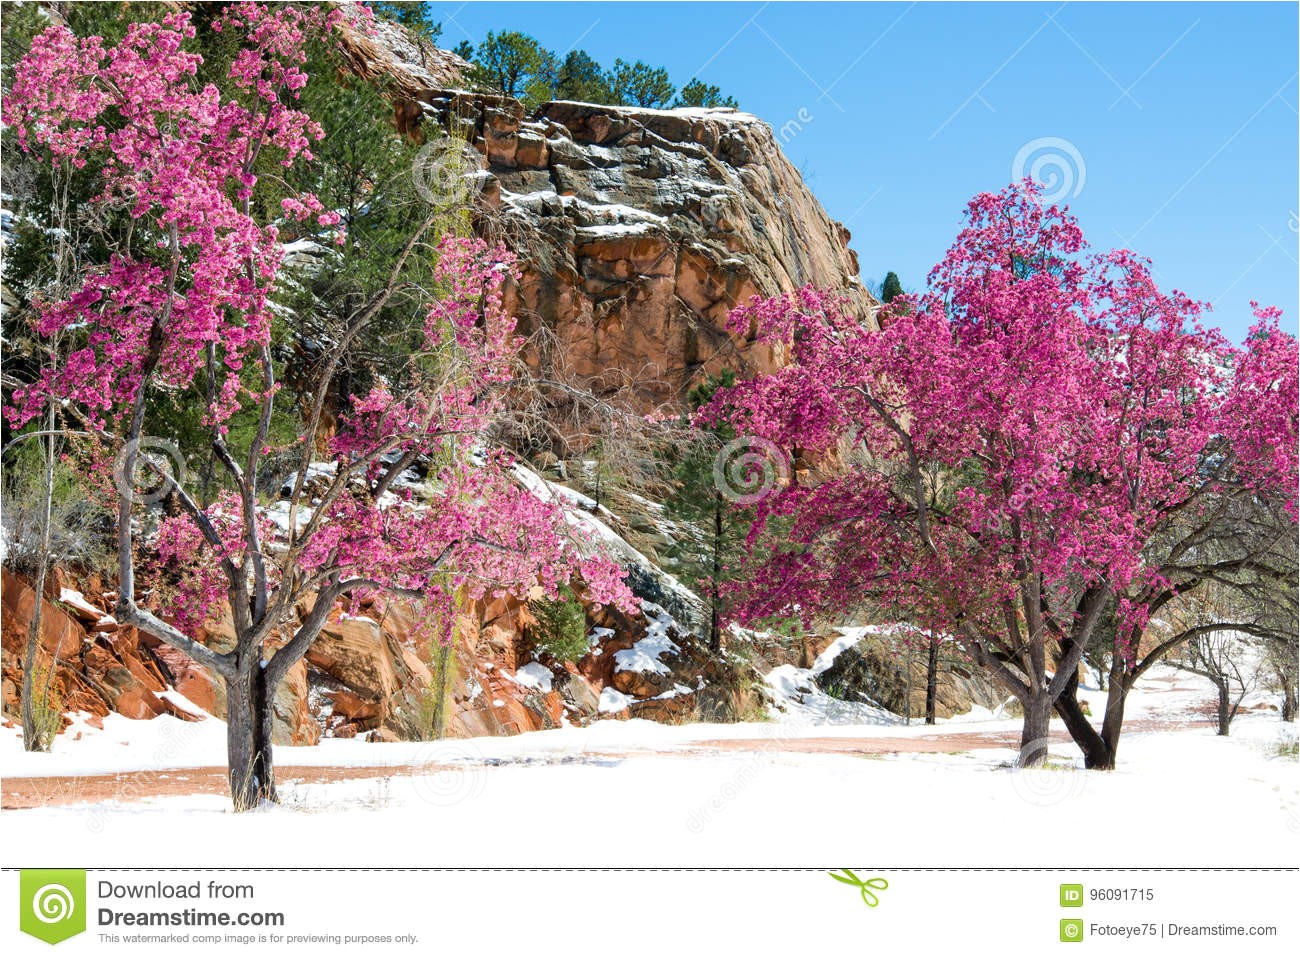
(34, 792)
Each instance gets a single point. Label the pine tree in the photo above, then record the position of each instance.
(699, 93)
(581, 78)
(639, 84)
(892, 287)
(717, 529)
(516, 65)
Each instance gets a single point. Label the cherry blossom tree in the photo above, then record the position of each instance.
(185, 301)
(1005, 447)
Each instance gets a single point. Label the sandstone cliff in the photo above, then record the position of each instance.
(640, 229)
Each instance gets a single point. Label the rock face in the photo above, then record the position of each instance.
(101, 667)
(384, 51)
(872, 671)
(640, 229)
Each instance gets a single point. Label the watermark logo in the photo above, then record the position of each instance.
(443, 176)
(749, 469)
(1055, 164)
(867, 887)
(52, 903)
(445, 775)
(158, 469)
(1050, 783)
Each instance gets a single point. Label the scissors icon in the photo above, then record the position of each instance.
(864, 886)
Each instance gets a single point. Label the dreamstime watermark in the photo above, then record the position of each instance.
(702, 815)
(176, 737)
(446, 774)
(441, 176)
(1055, 164)
(1047, 784)
(52, 903)
(793, 127)
(749, 469)
(159, 468)
(1029, 492)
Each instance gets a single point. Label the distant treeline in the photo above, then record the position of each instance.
(516, 65)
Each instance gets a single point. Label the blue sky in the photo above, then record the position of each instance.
(1173, 126)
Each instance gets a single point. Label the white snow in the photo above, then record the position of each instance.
(1187, 796)
(644, 654)
(534, 675)
(612, 700)
(76, 600)
(847, 640)
(799, 701)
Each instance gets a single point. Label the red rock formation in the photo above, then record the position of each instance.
(640, 229)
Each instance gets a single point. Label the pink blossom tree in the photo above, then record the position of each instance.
(1005, 448)
(1214, 466)
(184, 302)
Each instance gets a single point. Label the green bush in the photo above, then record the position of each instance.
(561, 628)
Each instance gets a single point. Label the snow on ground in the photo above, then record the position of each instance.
(681, 795)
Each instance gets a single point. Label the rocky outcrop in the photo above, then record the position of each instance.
(875, 672)
(100, 667)
(638, 229)
(381, 51)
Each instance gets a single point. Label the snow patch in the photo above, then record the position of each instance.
(644, 655)
(534, 675)
(612, 700)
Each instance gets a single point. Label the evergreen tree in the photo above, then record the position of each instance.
(561, 628)
(639, 84)
(516, 65)
(581, 78)
(414, 16)
(717, 529)
(890, 288)
(699, 93)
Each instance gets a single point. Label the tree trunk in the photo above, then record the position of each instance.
(1096, 753)
(931, 682)
(1112, 723)
(1033, 735)
(715, 625)
(438, 722)
(35, 738)
(1288, 700)
(248, 739)
(1225, 707)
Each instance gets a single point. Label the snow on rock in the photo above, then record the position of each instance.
(597, 638)
(798, 700)
(612, 700)
(644, 654)
(77, 602)
(647, 581)
(847, 640)
(534, 675)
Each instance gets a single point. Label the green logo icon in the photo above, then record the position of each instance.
(867, 886)
(1071, 896)
(1071, 929)
(52, 903)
